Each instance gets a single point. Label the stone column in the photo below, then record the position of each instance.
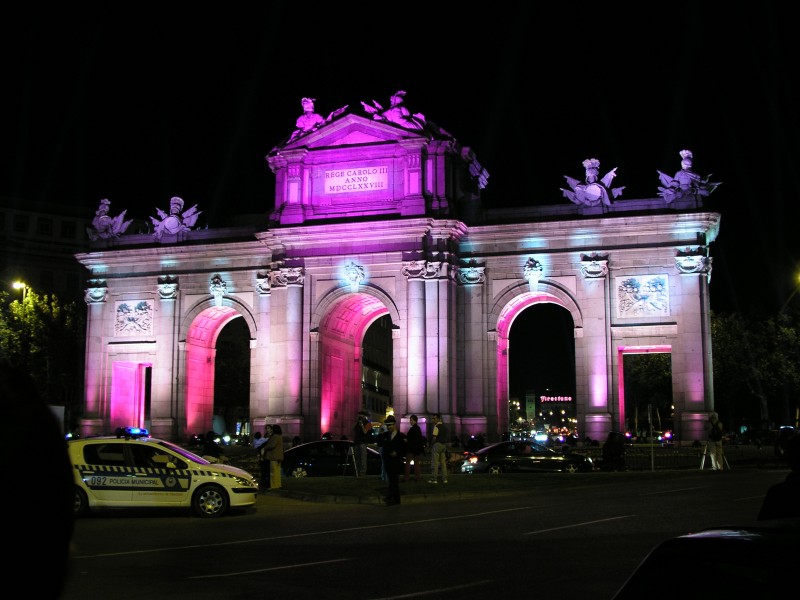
(414, 271)
(259, 359)
(593, 364)
(287, 350)
(94, 407)
(473, 280)
(692, 365)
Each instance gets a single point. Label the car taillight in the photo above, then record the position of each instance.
(472, 459)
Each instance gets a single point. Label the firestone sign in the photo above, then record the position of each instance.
(555, 398)
(363, 179)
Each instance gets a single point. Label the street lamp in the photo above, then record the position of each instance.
(20, 285)
(793, 294)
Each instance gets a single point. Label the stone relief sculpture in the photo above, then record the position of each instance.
(174, 222)
(104, 226)
(685, 183)
(396, 113)
(310, 120)
(592, 192)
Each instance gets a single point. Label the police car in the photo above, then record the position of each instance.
(138, 471)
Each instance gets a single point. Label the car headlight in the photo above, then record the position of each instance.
(245, 482)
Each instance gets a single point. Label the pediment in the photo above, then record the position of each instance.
(350, 130)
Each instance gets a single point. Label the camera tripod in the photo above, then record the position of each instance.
(351, 455)
(703, 458)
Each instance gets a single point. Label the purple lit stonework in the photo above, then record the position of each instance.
(377, 224)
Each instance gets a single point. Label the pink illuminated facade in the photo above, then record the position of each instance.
(373, 218)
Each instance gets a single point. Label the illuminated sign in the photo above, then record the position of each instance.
(362, 179)
(555, 398)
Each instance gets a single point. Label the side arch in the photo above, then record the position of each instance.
(339, 322)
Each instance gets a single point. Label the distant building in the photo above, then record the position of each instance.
(38, 243)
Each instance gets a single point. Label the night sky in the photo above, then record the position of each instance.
(141, 105)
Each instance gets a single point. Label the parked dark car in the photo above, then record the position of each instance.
(742, 561)
(523, 457)
(325, 458)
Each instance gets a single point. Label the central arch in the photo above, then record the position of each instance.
(510, 305)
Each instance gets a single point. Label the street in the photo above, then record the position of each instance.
(577, 536)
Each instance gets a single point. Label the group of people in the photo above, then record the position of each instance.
(402, 452)
(269, 447)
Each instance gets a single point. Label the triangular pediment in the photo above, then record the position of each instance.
(353, 129)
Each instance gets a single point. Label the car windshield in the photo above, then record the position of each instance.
(184, 452)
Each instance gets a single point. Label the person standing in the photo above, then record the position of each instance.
(415, 449)
(381, 430)
(263, 461)
(715, 431)
(273, 452)
(438, 450)
(362, 437)
(393, 449)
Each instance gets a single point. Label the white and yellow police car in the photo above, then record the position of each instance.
(136, 472)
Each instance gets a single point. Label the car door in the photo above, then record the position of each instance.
(159, 478)
(524, 457)
(105, 472)
(541, 458)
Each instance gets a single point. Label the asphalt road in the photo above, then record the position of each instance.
(569, 537)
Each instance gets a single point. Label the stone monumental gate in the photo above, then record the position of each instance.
(379, 215)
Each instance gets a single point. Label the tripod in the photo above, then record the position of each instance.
(351, 455)
(703, 458)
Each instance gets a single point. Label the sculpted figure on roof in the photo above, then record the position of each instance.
(176, 221)
(397, 113)
(592, 192)
(685, 183)
(104, 226)
(310, 120)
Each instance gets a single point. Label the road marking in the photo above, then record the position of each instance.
(311, 564)
(579, 524)
(691, 489)
(301, 535)
(437, 591)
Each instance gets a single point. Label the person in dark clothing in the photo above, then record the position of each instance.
(49, 510)
(393, 443)
(415, 449)
(783, 499)
(211, 447)
(263, 461)
(438, 450)
(362, 437)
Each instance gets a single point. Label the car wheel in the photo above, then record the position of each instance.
(80, 508)
(299, 472)
(495, 469)
(210, 501)
(571, 468)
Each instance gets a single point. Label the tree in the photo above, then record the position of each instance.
(45, 340)
(756, 373)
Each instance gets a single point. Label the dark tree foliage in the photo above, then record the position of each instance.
(756, 369)
(45, 339)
